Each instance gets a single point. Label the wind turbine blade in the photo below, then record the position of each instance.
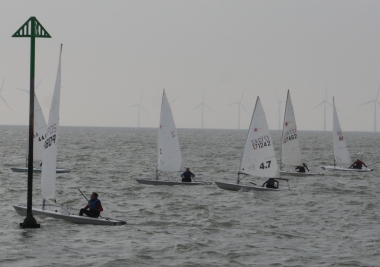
(318, 105)
(5, 102)
(233, 103)
(330, 105)
(141, 98)
(198, 106)
(244, 109)
(208, 107)
(38, 84)
(27, 91)
(144, 109)
(368, 102)
(278, 111)
(175, 99)
(2, 85)
(242, 96)
(277, 96)
(134, 105)
(204, 92)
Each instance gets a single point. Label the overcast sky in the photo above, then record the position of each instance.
(115, 51)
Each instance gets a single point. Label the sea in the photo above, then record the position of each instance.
(330, 220)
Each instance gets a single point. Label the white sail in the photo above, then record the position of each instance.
(259, 158)
(169, 158)
(291, 151)
(342, 156)
(39, 133)
(49, 161)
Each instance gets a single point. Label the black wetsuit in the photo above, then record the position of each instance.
(271, 183)
(186, 176)
(300, 169)
(358, 165)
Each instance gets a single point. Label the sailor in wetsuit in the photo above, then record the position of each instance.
(358, 164)
(187, 175)
(94, 205)
(271, 183)
(302, 168)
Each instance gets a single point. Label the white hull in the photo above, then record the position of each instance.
(69, 217)
(300, 174)
(37, 170)
(160, 182)
(340, 168)
(238, 187)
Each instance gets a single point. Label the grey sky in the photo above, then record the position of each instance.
(113, 51)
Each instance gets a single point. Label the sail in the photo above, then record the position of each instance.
(259, 158)
(49, 161)
(169, 157)
(342, 156)
(291, 151)
(39, 135)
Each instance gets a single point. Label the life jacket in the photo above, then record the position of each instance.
(270, 184)
(187, 175)
(93, 204)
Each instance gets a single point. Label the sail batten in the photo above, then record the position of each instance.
(341, 154)
(169, 158)
(259, 158)
(49, 162)
(291, 150)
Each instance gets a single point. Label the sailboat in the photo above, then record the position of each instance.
(40, 129)
(291, 150)
(259, 158)
(342, 158)
(48, 175)
(169, 158)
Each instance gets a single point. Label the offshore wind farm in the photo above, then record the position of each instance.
(294, 194)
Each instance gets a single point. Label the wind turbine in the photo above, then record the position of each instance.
(239, 105)
(375, 103)
(279, 110)
(138, 112)
(1, 89)
(202, 105)
(27, 91)
(324, 102)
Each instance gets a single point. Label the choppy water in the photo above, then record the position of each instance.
(323, 221)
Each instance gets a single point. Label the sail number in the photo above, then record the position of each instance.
(52, 129)
(267, 166)
(340, 135)
(289, 135)
(261, 142)
(49, 141)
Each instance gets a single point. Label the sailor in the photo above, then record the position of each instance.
(271, 183)
(187, 175)
(358, 164)
(94, 205)
(302, 168)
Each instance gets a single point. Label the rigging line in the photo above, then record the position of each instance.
(245, 175)
(373, 164)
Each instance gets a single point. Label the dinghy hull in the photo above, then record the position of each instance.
(340, 168)
(35, 170)
(301, 174)
(238, 187)
(160, 182)
(21, 210)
